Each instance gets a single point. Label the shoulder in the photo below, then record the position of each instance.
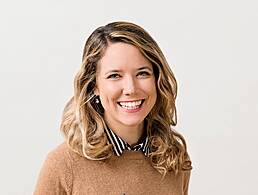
(63, 156)
(56, 173)
(67, 163)
(186, 169)
(59, 156)
(61, 152)
(187, 163)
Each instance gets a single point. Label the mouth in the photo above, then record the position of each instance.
(131, 105)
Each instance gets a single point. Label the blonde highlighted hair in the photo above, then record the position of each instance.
(83, 124)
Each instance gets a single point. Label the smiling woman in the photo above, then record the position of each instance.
(118, 124)
(125, 84)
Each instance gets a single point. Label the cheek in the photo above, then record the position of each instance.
(150, 88)
(153, 93)
(112, 88)
(109, 93)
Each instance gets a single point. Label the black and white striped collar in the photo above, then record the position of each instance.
(120, 145)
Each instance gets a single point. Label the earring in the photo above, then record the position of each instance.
(97, 99)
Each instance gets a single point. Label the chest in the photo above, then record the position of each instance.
(128, 178)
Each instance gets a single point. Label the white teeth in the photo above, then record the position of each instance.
(131, 105)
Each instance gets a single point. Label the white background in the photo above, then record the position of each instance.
(212, 47)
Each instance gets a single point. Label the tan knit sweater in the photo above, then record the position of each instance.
(65, 172)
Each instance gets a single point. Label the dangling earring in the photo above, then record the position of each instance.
(97, 99)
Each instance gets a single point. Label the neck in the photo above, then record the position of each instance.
(130, 134)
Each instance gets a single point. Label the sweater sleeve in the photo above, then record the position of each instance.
(55, 177)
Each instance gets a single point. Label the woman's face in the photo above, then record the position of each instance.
(125, 83)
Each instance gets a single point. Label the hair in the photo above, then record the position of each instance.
(83, 124)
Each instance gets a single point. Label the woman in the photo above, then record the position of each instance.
(118, 124)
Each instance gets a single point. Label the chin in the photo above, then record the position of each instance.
(131, 123)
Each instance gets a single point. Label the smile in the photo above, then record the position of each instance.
(131, 105)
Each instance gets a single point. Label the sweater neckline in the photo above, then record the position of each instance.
(132, 155)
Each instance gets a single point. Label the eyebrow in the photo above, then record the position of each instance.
(117, 70)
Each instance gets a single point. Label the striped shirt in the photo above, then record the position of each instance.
(120, 145)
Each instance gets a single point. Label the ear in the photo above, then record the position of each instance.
(96, 90)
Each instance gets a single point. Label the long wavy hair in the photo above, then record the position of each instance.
(83, 124)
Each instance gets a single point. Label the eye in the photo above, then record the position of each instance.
(113, 76)
(144, 73)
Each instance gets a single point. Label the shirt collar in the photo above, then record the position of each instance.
(120, 145)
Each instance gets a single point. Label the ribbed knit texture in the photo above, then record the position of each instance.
(65, 172)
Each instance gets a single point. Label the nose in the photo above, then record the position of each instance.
(129, 86)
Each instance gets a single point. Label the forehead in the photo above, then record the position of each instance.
(122, 56)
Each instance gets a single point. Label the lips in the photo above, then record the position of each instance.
(131, 104)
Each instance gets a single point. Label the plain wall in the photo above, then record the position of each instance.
(211, 46)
